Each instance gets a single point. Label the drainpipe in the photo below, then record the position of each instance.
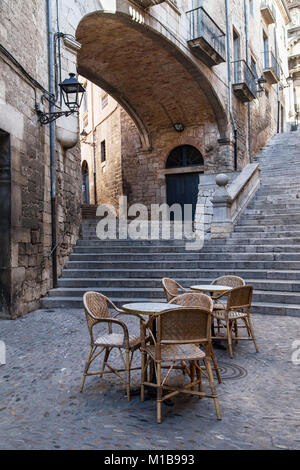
(247, 60)
(52, 144)
(230, 86)
(278, 109)
(94, 144)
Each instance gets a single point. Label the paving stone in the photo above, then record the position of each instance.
(41, 406)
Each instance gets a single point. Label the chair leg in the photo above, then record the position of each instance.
(236, 332)
(106, 356)
(199, 377)
(159, 391)
(252, 333)
(212, 386)
(229, 337)
(193, 372)
(213, 357)
(128, 374)
(86, 367)
(143, 374)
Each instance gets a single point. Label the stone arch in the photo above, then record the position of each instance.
(148, 73)
(185, 140)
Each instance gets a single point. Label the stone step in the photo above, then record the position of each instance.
(168, 265)
(269, 220)
(128, 242)
(157, 293)
(214, 242)
(273, 211)
(208, 248)
(181, 257)
(249, 232)
(281, 274)
(128, 283)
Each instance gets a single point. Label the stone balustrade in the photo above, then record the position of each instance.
(229, 202)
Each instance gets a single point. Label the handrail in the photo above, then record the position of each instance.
(69, 224)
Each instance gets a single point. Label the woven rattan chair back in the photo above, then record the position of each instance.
(95, 307)
(171, 288)
(230, 281)
(240, 298)
(194, 299)
(187, 325)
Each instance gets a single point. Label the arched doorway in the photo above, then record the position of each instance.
(85, 183)
(182, 183)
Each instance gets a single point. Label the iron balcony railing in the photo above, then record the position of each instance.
(244, 74)
(201, 25)
(268, 4)
(270, 62)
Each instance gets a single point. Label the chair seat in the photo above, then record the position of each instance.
(220, 306)
(177, 352)
(117, 340)
(221, 314)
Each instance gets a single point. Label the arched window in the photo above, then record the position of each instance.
(184, 155)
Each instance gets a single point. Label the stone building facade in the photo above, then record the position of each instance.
(258, 48)
(294, 59)
(165, 65)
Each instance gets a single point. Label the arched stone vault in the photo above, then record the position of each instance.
(155, 82)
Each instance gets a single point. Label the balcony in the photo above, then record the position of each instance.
(206, 39)
(244, 82)
(268, 12)
(148, 3)
(271, 68)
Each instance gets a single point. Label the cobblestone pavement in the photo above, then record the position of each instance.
(41, 406)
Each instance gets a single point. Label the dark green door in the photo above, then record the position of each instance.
(183, 189)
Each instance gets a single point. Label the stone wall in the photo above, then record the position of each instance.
(30, 270)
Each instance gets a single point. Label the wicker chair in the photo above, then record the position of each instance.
(96, 311)
(230, 281)
(179, 334)
(237, 308)
(171, 288)
(191, 299)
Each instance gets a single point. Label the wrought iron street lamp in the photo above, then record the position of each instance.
(72, 92)
(261, 82)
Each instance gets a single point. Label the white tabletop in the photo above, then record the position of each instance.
(148, 308)
(211, 288)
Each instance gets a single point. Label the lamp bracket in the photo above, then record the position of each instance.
(46, 118)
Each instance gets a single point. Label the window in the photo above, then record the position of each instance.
(251, 7)
(104, 101)
(184, 155)
(253, 67)
(266, 50)
(103, 151)
(236, 55)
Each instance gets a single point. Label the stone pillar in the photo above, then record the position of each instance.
(222, 224)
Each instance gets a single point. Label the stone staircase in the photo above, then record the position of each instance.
(264, 249)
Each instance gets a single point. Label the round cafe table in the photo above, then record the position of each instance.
(148, 308)
(215, 289)
(212, 289)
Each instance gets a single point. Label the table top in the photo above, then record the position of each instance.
(211, 288)
(148, 308)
